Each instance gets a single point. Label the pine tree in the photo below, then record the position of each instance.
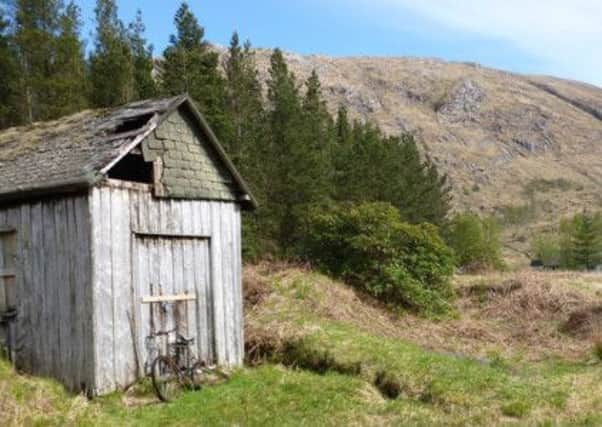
(373, 167)
(111, 64)
(246, 133)
(586, 241)
(244, 104)
(342, 127)
(9, 71)
(189, 65)
(68, 82)
(36, 28)
(296, 168)
(318, 136)
(142, 58)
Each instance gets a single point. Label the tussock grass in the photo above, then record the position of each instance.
(325, 355)
(503, 356)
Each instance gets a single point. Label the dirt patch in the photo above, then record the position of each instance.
(387, 385)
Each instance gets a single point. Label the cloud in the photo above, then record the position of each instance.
(565, 34)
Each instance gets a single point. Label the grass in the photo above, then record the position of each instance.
(340, 365)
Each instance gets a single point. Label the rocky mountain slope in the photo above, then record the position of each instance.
(528, 148)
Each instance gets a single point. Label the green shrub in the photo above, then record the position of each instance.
(369, 247)
(475, 241)
(581, 241)
(546, 248)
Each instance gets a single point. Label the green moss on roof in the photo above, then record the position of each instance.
(17, 141)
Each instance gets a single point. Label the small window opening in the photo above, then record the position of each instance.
(8, 272)
(133, 123)
(133, 168)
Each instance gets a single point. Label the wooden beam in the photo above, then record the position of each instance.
(7, 272)
(151, 234)
(168, 298)
(7, 229)
(150, 126)
(127, 185)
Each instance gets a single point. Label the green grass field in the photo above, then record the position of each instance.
(339, 370)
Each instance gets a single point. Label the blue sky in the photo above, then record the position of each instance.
(555, 37)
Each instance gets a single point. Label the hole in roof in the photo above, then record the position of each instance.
(133, 123)
(132, 168)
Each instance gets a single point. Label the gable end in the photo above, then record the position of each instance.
(186, 163)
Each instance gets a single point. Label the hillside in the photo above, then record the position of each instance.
(526, 147)
(519, 349)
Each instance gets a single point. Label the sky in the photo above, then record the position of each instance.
(554, 37)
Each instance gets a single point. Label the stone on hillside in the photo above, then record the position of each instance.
(463, 102)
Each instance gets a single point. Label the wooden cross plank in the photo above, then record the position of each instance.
(168, 298)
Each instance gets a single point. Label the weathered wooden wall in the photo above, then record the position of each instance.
(130, 228)
(53, 328)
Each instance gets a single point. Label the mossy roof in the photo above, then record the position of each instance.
(76, 151)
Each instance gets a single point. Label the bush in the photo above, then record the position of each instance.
(581, 241)
(546, 248)
(369, 247)
(475, 242)
(576, 246)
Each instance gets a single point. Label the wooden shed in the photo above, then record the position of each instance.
(102, 212)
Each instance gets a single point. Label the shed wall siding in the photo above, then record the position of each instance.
(121, 321)
(53, 329)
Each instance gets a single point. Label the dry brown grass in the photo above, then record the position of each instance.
(513, 314)
(28, 401)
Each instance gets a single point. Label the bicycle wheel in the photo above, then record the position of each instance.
(167, 380)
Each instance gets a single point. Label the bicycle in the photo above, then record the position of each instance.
(178, 371)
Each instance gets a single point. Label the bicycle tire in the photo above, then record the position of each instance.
(166, 378)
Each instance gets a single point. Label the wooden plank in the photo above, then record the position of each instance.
(136, 200)
(165, 255)
(228, 265)
(188, 274)
(64, 345)
(103, 291)
(169, 235)
(127, 185)
(25, 292)
(3, 301)
(50, 300)
(151, 125)
(241, 323)
(124, 357)
(217, 286)
(206, 288)
(238, 297)
(197, 312)
(7, 272)
(37, 280)
(168, 298)
(5, 229)
(85, 291)
(76, 318)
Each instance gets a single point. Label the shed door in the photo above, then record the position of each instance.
(8, 256)
(8, 292)
(169, 266)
